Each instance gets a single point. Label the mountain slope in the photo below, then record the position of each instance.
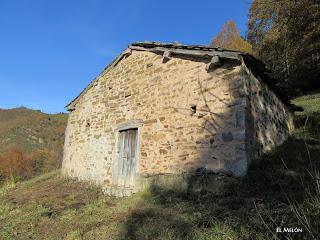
(30, 129)
(27, 134)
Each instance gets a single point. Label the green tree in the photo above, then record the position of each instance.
(285, 34)
(229, 38)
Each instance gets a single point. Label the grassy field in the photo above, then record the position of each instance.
(310, 103)
(283, 190)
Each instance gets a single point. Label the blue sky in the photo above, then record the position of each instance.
(51, 49)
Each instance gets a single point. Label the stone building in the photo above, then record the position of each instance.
(172, 109)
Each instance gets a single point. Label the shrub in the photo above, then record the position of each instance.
(15, 163)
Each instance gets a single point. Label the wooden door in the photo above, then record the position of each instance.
(127, 158)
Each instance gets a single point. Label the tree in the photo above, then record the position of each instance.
(229, 37)
(15, 163)
(285, 34)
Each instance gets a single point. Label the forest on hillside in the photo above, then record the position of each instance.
(31, 142)
(285, 35)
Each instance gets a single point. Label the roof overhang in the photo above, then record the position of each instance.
(195, 51)
(175, 49)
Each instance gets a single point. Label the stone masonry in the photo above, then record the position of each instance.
(191, 112)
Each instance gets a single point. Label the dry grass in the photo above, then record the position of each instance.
(282, 190)
(52, 207)
(271, 195)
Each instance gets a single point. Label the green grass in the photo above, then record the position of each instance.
(282, 190)
(310, 103)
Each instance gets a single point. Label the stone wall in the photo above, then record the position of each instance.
(269, 121)
(191, 118)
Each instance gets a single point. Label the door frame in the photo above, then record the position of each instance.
(132, 124)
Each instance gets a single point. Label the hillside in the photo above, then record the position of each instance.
(30, 129)
(282, 190)
(31, 134)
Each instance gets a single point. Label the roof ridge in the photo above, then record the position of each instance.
(177, 48)
(178, 45)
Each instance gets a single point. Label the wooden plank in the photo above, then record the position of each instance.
(124, 158)
(126, 170)
(133, 150)
(125, 166)
(198, 53)
(134, 158)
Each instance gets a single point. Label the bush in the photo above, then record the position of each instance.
(16, 163)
